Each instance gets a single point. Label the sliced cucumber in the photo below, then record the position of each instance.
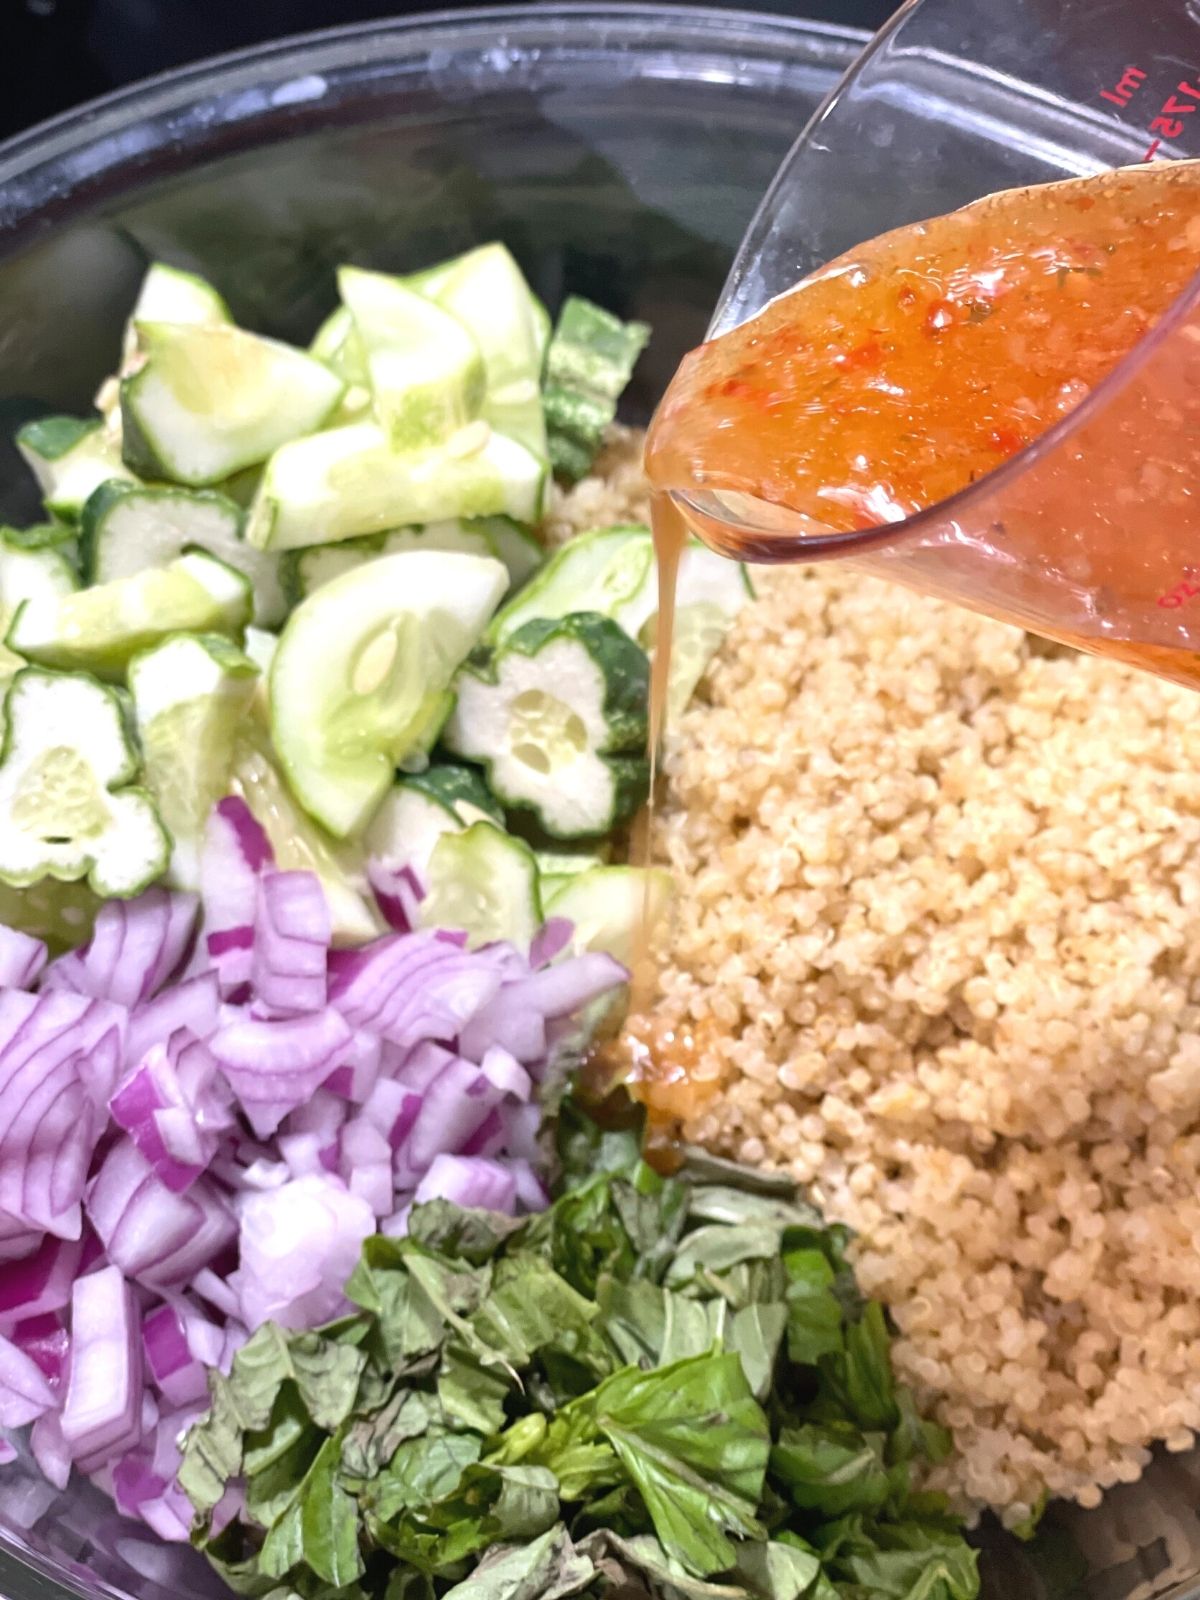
(260, 646)
(590, 360)
(423, 806)
(710, 590)
(126, 529)
(298, 843)
(169, 294)
(62, 914)
(559, 865)
(307, 570)
(102, 629)
(360, 681)
(348, 481)
(615, 909)
(516, 546)
(484, 883)
(558, 716)
(424, 369)
(486, 293)
(28, 572)
(543, 326)
(191, 695)
(337, 344)
(66, 810)
(209, 400)
(60, 536)
(70, 457)
(602, 571)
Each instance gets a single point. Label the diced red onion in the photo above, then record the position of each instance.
(272, 1066)
(235, 851)
(488, 1137)
(169, 1516)
(409, 987)
(298, 1246)
(468, 1181)
(506, 1022)
(502, 1069)
(25, 1391)
(532, 1194)
(456, 1103)
(301, 1153)
(355, 1077)
(50, 1450)
(193, 1005)
(398, 893)
(59, 1055)
(155, 1236)
(217, 1292)
(151, 1107)
(101, 1416)
(136, 946)
(180, 1377)
(39, 1282)
(22, 957)
(8, 1451)
(133, 1483)
(551, 939)
(291, 943)
(366, 1164)
(45, 1341)
(16, 1240)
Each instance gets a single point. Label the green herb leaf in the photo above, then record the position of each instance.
(551, 1567)
(319, 1526)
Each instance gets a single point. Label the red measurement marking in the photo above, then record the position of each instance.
(1126, 86)
(1186, 589)
(1151, 149)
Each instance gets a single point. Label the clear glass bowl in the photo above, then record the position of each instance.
(621, 152)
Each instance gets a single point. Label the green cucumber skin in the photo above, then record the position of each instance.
(446, 784)
(625, 670)
(589, 362)
(54, 437)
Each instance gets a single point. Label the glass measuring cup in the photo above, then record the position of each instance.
(1091, 533)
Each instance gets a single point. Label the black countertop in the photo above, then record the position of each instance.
(56, 53)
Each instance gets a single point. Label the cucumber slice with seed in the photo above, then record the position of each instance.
(348, 482)
(424, 369)
(70, 457)
(305, 571)
(126, 529)
(361, 679)
(209, 399)
(191, 695)
(66, 808)
(557, 715)
(169, 294)
(28, 572)
(484, 883)
(101, 629)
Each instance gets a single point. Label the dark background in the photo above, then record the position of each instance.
(56, 53)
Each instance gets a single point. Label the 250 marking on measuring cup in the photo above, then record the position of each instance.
(1186, 589)
(1171, 122)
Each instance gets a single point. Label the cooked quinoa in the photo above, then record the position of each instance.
(939, 905)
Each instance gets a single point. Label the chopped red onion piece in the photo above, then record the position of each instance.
(502, 1069)
(136, 946)
(194, 1005)
(398, 894)
(298, 1246)
(488, 1138)
(217, 1292)
(8, 1451)
(40, 1282)
(150, 1105)
(468, 1181)
(506, 1022)
(180, 1377)
(409, 987)
(25, 1391)
(456, 1103)
(22, 957)
(272, 1066)
(50, 1450)
(235, 851)
(154, 1235)
(101, 1416)
(169, 1516)
(551, 939)
(44, 1340)
(355, 1077)
(291, 943)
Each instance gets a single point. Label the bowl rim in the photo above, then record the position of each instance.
(693, 26)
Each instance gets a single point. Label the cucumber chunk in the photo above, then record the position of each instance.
(360, 682)
(337, 344)
(28, 572)
(66, 808)
(558, 716)
(60, 914)
(126, 529)
(103, 628)
(297, 841)
(421, 807)
(424, 369)
(589, 361)
(487, 294)
(348, 482)
(516, 546)
(484, 883)
(191, 694)
(209, 399)
(70, 457)
(170, 294)
(307, 570)
(558, 865)
(602, 571)
(615, 909)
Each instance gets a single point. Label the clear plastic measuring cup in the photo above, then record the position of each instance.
(1091, 533)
